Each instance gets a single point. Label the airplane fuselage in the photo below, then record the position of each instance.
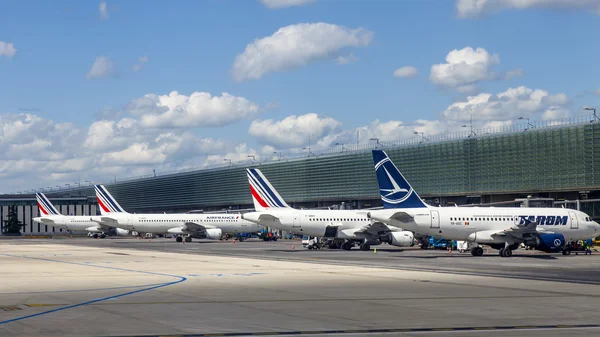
(464, 223)
(340, 224)
(68, 222)
(162, 223)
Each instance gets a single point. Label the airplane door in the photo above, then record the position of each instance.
(574, 220)
(435, 219)
(296, 220)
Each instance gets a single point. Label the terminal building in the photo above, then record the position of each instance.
(543, 164)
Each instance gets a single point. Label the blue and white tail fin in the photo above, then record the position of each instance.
(263, 193)
(395, 191)
(108, 204)
(45, 206)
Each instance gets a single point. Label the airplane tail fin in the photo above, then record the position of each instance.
(108, 204)
(263, 193)
(395, 191)
(45, 206)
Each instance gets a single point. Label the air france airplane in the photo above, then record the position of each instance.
(199, 226)
(52, 217)
(502, 228)
(351, 227)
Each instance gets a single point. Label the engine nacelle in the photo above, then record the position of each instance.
(549, 243)
(400, 239)
(94, 229)
(485, 237)
(122, 232)
(214, 233)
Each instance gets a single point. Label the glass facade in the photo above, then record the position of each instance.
(548, 159)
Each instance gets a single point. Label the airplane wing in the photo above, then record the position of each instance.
(196, 227)
(518, 231)
(376, 229)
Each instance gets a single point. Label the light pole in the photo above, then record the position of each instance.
(594, 110)
(229, 160)
(78, 184)
(423, 138)
(528, 122)
(342, 145)
(68, 186)
(377, 140)
(58, 187)
(90, 183)
(253, 157)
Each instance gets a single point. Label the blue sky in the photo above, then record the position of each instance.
(191, 46)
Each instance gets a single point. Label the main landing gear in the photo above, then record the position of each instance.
(187, 239)
(477, 251)
(505, 252)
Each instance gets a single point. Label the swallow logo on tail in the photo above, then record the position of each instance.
(395, 190)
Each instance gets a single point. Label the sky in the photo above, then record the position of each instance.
(93, 91)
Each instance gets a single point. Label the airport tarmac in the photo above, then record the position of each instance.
(132, 287)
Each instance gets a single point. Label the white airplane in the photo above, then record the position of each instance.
(52, 217)
(502, 228)
(192, 225)
(351, 227)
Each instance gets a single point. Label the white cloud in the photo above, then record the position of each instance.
(406, 71)
(198, 109)
(510, 104)
(103, 67)
(7, 49)
(140, 64)
(477, 8)
(293, 130)
(103, 9)
(467, 67)
(350, 58)
(555, 112)
(277, 4)
(464, 67)
(294, 46)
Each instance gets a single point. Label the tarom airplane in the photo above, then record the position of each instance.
(192, 225)
(346, 228)
(502, 228)
(52, 217)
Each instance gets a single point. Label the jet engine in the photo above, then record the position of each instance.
(122, 232)
(400, 239)
(94, 229)
(214, 233)
(549, 243)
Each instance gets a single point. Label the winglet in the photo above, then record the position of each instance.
(264, 194)
(108, 204)
(395, 191)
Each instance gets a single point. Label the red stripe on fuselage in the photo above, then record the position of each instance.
(258, 198)
(102, 205)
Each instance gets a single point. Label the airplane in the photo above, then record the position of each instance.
(192, 225)
(502, 228)
(51, 216)
(350, 227)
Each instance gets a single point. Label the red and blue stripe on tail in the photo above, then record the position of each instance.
(108, 204)
(263, 193)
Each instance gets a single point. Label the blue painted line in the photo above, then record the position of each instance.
(102, 299)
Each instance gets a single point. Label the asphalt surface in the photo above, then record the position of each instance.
(523, 264)
(140, 287)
